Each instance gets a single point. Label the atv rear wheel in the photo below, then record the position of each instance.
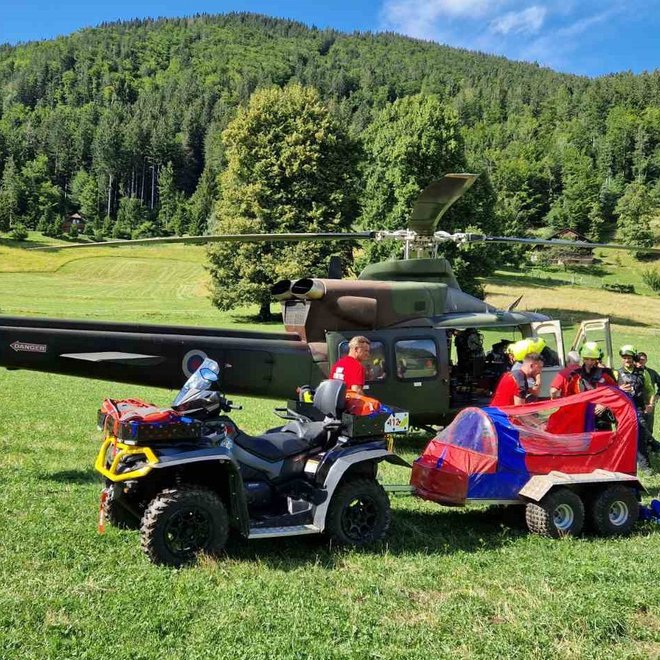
(115, 512)
(359, 513)
(559, 513)
(179, 524)
(615, 510)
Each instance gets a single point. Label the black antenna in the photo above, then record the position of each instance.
(334, 268)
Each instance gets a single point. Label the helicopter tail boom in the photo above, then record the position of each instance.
(160, 356)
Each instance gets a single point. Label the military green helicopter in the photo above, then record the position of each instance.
(427, 351)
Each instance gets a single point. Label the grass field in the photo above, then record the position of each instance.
(447, 583)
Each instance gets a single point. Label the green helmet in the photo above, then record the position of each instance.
(591, 349)
(628, 349)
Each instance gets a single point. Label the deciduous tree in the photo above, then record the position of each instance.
(411, 142)
(290, 168)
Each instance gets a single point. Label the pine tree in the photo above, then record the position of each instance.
(172, 212)
(131, 216)
(200, 205)
(634, 211)
(10, 194)
(85, 193)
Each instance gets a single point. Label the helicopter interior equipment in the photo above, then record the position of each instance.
(427, 350)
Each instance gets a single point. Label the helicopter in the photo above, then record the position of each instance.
(426, 334)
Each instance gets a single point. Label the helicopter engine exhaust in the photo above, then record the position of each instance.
(308, 289)
(281, 290)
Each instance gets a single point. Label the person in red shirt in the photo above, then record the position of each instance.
(560, 383)
(350, 368)
(592, 373)
(513, 388)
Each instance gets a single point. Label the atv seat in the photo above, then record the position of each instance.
(278, 445)
(314, 433)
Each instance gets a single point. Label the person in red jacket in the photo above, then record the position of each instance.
(560, 384)
(513, 388)
(350, 368)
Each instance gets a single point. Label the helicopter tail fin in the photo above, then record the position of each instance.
(514, 304)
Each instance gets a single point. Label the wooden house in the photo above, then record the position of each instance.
(74, 220)
(564, 255)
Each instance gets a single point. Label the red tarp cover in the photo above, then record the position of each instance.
(492, 453)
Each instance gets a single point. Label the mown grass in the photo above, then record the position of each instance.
(447, 583)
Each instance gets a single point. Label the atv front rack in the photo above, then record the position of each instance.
(109, 468)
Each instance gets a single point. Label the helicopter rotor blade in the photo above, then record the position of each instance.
(220, 238)
(434, 201)
(463, 238)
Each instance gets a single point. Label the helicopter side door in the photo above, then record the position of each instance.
(597, 330)
(551, 333)
(407, 368)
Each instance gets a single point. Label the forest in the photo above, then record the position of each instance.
(131, 123)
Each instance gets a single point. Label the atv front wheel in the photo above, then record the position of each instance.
(615, 510)
(359, 513)
(559, 513)
(179, 524)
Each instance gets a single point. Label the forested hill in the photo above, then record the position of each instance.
(123, 122)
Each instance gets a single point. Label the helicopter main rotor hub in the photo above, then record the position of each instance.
(425, 244)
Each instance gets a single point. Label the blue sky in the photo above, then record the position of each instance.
(578, 36)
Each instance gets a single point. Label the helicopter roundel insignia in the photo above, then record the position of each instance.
(192, 360)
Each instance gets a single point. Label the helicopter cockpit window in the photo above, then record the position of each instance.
(375, 368)
(415, 359)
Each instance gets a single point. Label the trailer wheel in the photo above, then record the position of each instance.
(559, 513)
(179, 524)
(116, 513)
(359, 513)
(615, 510)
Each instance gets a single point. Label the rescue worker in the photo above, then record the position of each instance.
(523, 348)
(636, 383)
(559, 384)
(513, 387)
(350, 368)
(635, 380)
(592, 373)
(642, 359)
(589, 376)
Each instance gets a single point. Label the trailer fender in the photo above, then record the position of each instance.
(540, 485)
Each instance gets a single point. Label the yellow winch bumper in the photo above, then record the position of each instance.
(122, 450)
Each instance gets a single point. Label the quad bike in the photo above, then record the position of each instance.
(188, 476)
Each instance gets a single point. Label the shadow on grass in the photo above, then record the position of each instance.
(275, 320)
(440, 532)
(546, 279)
(528, 281)
(574, 317)
(33, 243)
(72, 476)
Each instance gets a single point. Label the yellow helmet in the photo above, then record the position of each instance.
(521, 349)
(628, 349)
(538, 345)
(591, 349)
